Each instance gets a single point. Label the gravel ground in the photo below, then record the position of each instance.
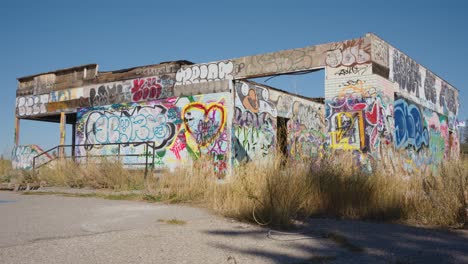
(56, 229)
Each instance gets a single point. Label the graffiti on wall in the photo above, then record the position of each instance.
(359, 117)
(422, 137)
(448, 99)
(32, 105)
(136, 90)
(182, 128)
(422, 86)
(204, 123)
(152, 88)
(140, 123)
(349, 53)
(380, 52)
(406, 73)
(410, 129)
(255, 123)
(106, 94)
(199, 73)
(22, 157)
(429, 87)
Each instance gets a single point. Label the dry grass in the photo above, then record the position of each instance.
(101, 174)
(173, 221)
(275, 193)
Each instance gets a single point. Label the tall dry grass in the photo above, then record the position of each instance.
(100, 174)
(276, 193)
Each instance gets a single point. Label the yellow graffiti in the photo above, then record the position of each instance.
(345, 123)
(211, 122)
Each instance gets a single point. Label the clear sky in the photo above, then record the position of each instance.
(41, 36)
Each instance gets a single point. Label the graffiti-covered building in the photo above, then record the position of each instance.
(378, 103)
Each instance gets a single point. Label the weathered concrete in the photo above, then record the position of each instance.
(55, 229)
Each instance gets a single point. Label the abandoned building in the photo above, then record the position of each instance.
(379, 104)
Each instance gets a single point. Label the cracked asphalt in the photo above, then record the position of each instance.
(57, 229)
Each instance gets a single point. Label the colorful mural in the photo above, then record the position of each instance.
(182, 128)
(359, 117)
(257, 110)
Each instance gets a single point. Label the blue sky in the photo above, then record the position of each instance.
(41, 36)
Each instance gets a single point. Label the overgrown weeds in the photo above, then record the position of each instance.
(276, 193)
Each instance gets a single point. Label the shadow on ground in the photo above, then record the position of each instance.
(348, 241)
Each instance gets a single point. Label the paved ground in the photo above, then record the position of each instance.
(56, 229)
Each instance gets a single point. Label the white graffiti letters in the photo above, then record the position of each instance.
(204, 73)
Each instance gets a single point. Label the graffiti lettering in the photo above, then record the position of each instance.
(32, 105)
(152, 88)
(105, 95)
(139, 124)
(447, 98)
(204, 72)
(406, 73)
(352, 70)
(22, 157)
(429, 87)
(349, 53)
(409, 126)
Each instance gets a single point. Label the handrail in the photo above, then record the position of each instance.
(146, 153)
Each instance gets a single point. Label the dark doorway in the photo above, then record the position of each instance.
(282, 136)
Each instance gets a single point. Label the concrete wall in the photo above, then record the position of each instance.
(256, 113)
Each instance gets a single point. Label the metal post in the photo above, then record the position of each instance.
(73, 142)
(34, 167)
(146, 160)
(118, 151)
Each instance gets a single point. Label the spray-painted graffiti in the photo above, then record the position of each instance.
(181, 128)
(255, 99)
(429, 87)
(32, 105)
(410, 129)
(406, 73)
(380, 52)
(152, 88)
(448, 98)
(59, 96)
(204, 72)
(359, 117)
(347, 130)
(349, 53)
(348, 71)
(22, 157)
(141, 123)
(247, 118)
(107, 94)
(204, 122)
(257, 109)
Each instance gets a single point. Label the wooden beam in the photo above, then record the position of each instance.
(17, 131)
(63, 122)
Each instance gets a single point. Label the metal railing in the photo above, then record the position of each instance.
(148, 154)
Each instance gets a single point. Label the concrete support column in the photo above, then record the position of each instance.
(17, 131)
(63, 122)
